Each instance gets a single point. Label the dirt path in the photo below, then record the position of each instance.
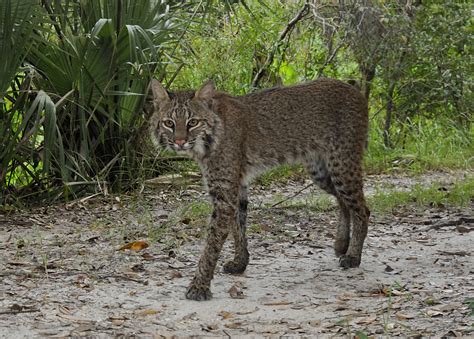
(62, 275)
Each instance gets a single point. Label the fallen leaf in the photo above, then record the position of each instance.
(118, 317)
(147, 256)
(278, 303)
(451, 334)
(247, 312)
(235, 325)
(84, 328)
(210, 327)
(346, 296)
(459, 253)
(118, 322)
(134, 246)
(76, 319)
(404, 316)
(176, 274)
(447, 307)
(397, 292)
(93, 239)
(65, 310)
(190, 316)
(138, 268)
(463, 229)
(18, 263)
(236, 292)
(226, 315)
(434, 313)
(367, 320)
(147, 312)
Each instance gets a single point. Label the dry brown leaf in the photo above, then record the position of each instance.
(278, 303)
(404, 316)
(65, 310)
(76, 319)
(118, 317)
(247, 312)
(134, 246)
(346, 296)
(367, 320)
(434, 313)
(18, 263)
(210, 327)
(148, 312)
(176, 274)
(236, 292)
(148, 256)
(226, 315)
(233, 326)
(117, 322)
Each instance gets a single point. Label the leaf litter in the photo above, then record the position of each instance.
(62, 275)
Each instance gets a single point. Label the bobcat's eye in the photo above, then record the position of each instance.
(168, 123)
(193, 122)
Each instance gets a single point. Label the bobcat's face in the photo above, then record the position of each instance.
(183, 121)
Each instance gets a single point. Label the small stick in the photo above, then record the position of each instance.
(28, 310)
(289, 198)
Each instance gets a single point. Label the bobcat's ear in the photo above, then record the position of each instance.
(159, 92)
(206, 92)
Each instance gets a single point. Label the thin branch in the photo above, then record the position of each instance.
(53, 17)
(291, 197)
(16, 311)
(291, 25)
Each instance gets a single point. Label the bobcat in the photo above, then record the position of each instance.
(322, 124)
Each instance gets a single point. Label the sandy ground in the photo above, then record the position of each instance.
(62, 273)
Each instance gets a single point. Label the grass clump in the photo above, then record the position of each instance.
(282, 173)
(195, 214)
(460, 194)
(426, 146)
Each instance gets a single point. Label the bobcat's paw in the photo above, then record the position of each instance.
(198, 292)
(341, 246)
(234, 267)
(346, 261)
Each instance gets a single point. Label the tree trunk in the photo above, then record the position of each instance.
(388, 115)
(368, 74)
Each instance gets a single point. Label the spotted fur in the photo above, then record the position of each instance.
(321, 124)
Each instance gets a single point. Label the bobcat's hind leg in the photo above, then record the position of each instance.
(360, 219)
(347, 181)
(320, 175)
(341, 244)
(241, 256)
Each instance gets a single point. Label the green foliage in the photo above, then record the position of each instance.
(420, 97)
(102, 63)
(16, 18)
(74, 75)
(423, 144)
(460, 194)
(89, 67)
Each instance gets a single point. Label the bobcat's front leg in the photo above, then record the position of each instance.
(241, 256)
(222, 220)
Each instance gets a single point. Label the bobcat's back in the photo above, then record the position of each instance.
(290, 124)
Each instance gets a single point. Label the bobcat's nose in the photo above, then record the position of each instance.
(180, 142)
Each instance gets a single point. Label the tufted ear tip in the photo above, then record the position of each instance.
(159, 92)
(207, 91)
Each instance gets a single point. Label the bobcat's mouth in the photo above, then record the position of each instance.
(187, 146)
